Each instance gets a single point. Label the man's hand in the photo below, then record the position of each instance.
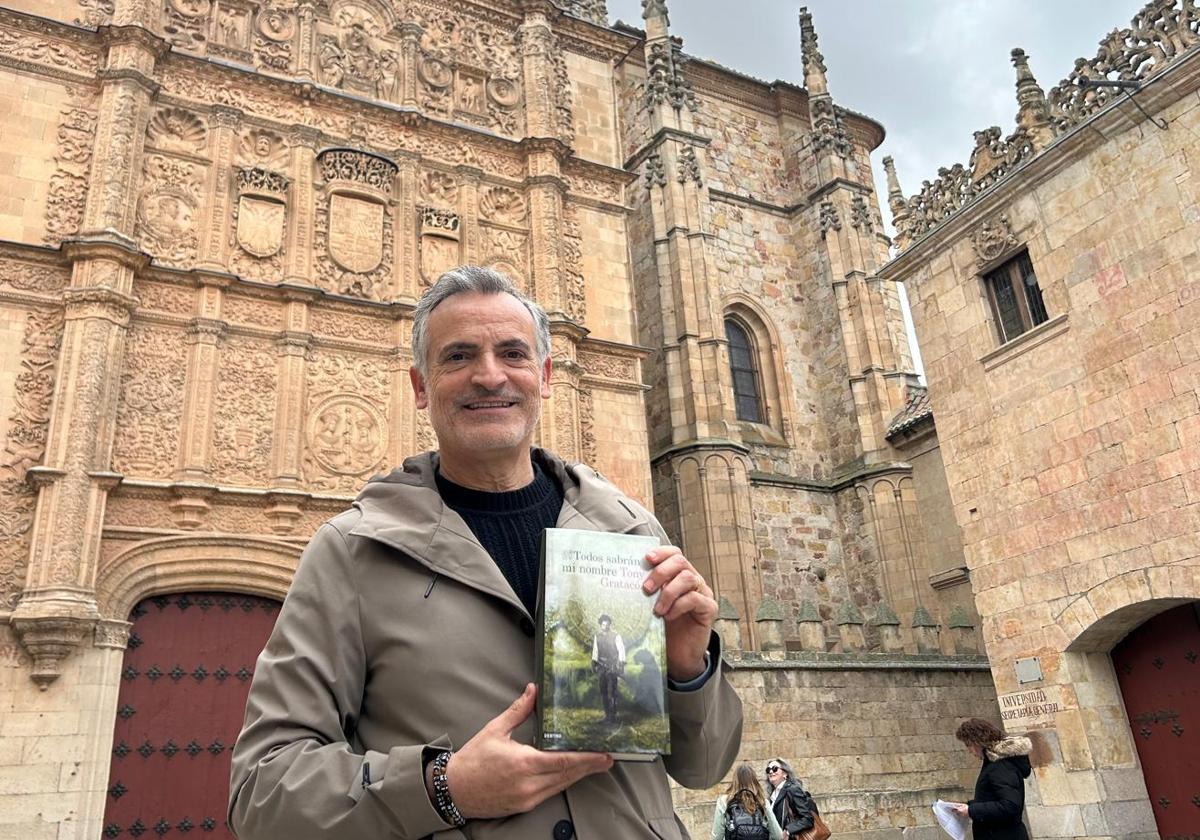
(494, 776)
(687, 605)
(960, 808)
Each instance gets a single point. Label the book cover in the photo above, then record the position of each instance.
(602, 672)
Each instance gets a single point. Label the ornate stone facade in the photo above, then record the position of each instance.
(206, 290)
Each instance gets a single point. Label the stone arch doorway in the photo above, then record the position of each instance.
(1158, 670)
(184, 681)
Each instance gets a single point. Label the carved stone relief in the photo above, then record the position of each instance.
(243, 421)
(164, 297)
(274, 30)
(25, 445)
(354, 222)
(689, 166)
(468, 69)
(507, 252)
(440, 242)
(67, 193)
(168, 208)
(258, 147)
(32, 277)
(572, 240)
(95, 12)
(655, 174)
(185, 23)
(503, 205)
(231, 29)
(439, 190)
(828, 219)
(353, 57)
(993, 239)
(346, 431)
(609, 367)
(860, 215)
(41, 49)
(151, 403)
(176, 130)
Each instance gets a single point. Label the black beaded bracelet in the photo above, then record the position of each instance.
(446, 808)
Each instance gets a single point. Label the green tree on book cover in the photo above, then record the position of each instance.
(604, 650)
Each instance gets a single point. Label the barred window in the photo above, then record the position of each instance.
(743, 364)
(1015, 297)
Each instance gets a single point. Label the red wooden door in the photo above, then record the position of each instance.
(1158, 668)
(184, 682)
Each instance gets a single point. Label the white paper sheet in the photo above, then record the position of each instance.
(952, 822)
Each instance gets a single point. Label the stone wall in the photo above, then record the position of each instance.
(1072, 450)
(872, 737)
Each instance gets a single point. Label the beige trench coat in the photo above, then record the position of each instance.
(399, 632)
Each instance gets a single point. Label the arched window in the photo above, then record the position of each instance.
(743, 364)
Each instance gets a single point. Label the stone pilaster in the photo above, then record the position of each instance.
(290, 406)
(546, 196)
(214, 231)
(306, 39)
(58, 606)
(537, 46)
(127, 89)
(205, 335)
(410, 52)
(468, 210)
(303, 142)
(406, 265)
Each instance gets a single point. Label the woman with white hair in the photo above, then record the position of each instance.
(793, 806)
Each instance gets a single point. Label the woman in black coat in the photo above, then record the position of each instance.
(999, 801)
(793, 806)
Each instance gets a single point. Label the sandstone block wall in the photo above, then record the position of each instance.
(1071, 451)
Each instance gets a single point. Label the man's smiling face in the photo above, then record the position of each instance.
(483, 385)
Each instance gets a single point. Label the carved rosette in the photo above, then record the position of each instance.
(25, 446)
(354, 222)
(993, 239)
(76, 137)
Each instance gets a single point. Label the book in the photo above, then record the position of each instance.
(602, 665)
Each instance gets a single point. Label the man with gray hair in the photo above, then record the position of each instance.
(383, 703)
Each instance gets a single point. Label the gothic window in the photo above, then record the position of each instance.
(1015, 296)
(743, 364)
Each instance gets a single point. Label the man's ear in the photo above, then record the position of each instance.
(547, 366)
(418, 386)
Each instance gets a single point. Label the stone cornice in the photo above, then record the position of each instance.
(698, 445)
(1173, 84)
(833, 485)
(656, 139)
(815, 661)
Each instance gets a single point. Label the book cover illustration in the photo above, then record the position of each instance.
(602, 670)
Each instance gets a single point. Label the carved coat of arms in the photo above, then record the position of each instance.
(355, 232)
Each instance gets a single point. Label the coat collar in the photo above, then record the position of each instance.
(404, 511)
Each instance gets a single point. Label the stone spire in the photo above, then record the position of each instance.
(1033, 112)
(810, 56)
(658, 22)
(896, 203)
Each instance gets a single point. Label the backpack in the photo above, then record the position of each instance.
(742, 825)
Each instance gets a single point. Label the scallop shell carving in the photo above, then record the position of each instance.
(503, 205)
(175, 128)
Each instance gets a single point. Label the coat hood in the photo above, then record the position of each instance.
(1016, 749)
(404, 510)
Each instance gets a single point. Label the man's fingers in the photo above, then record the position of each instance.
(664, 572)
(567, 764)
(702, 606)
(687, 581)
(515, 715)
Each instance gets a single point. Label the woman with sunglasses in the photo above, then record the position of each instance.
(791, 803)
(742, 812)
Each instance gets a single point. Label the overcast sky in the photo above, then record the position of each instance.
(933, 72)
